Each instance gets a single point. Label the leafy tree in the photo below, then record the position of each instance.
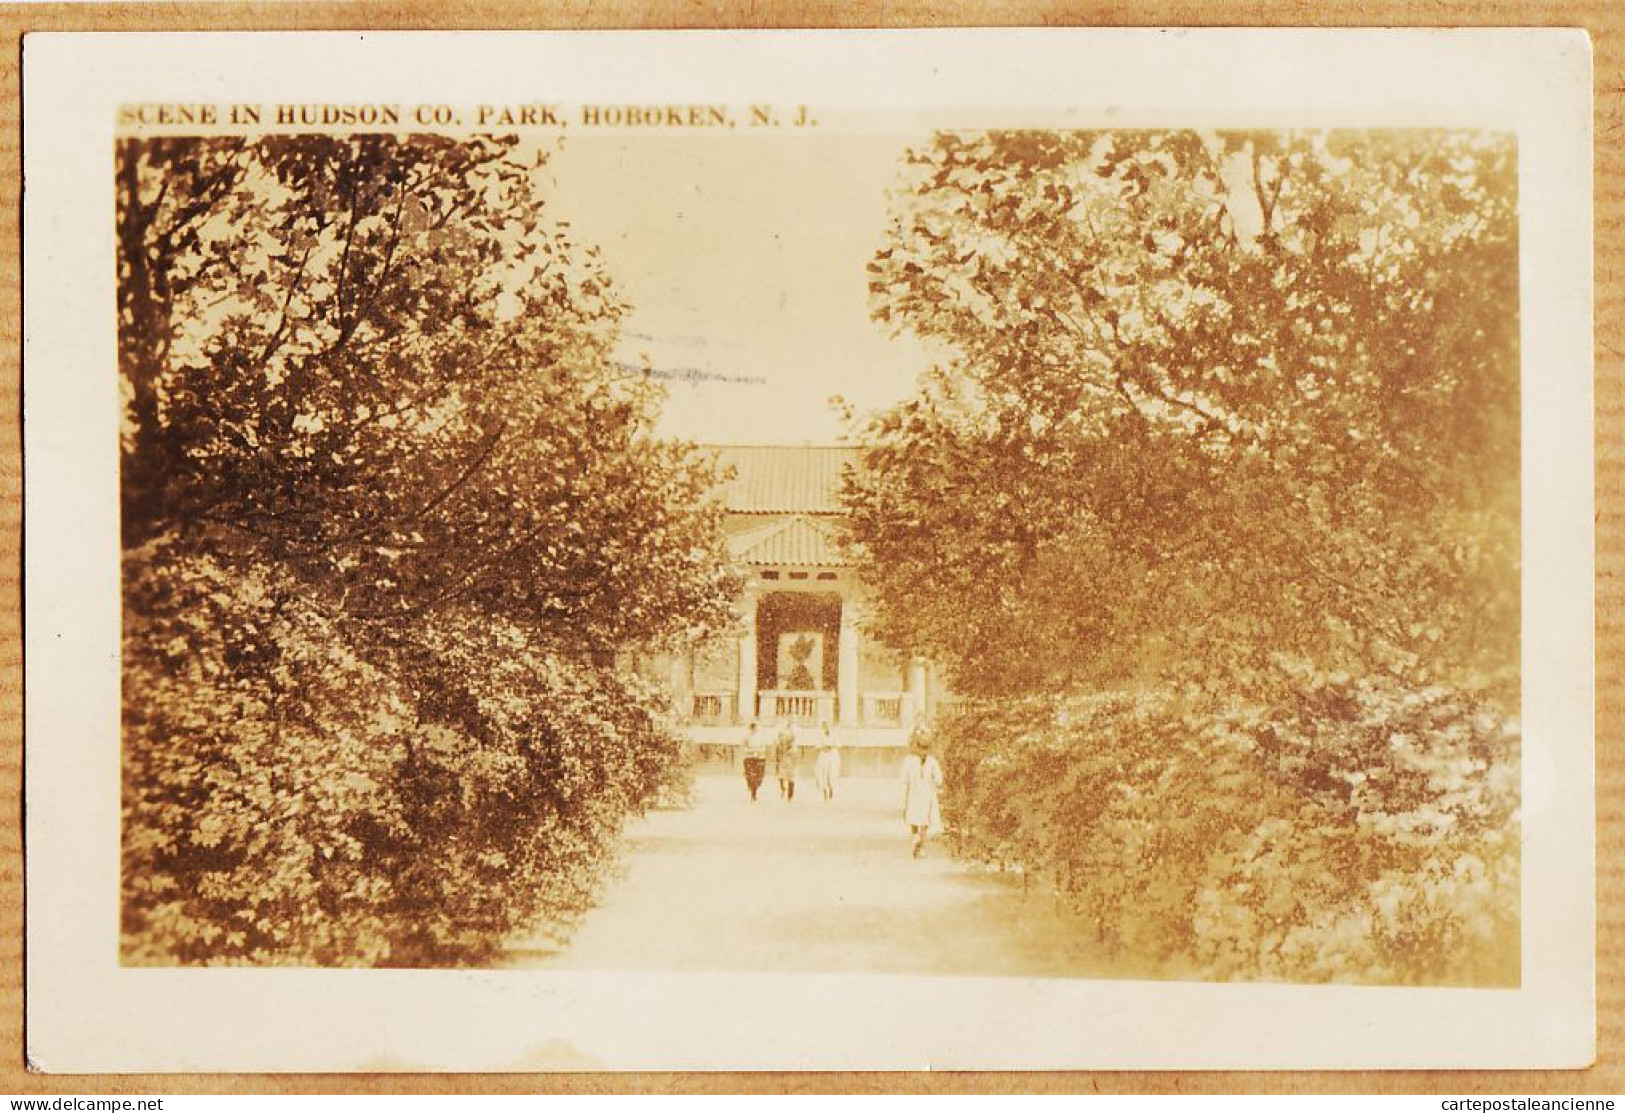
(1218, 393)
(390, 513)
(1220, 416)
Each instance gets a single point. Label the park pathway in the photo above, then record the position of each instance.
(811, 887)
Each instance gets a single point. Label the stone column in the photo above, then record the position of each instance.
(846, 676)
(914, 693)
(682, 683)
(747, 662)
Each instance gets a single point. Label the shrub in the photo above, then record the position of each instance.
(389, 508)
(1360, 830)
(288, 798)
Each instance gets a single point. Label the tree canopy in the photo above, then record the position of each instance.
(1223, 395)
(1210, 514)
(390, 511)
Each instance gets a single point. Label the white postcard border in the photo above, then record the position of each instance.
(88, 1014)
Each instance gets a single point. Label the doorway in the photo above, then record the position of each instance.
(798, 641)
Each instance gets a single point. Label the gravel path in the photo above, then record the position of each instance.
(812, 887)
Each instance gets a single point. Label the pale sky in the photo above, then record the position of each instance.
(743, 256)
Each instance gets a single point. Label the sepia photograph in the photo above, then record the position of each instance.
(1154, 613)
(737, 538)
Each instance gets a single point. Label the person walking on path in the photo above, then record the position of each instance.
(786, 756)
(828, 769)
(922, 784)
(755, 751)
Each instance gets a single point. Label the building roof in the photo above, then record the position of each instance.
(797, 540)
(784, 479)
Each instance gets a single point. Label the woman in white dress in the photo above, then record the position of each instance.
(922, 784)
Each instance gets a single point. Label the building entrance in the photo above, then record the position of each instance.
(798, 654)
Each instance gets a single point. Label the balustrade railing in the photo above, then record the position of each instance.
(805, 708)
(719, 707)
(882, 708)
(713, 708)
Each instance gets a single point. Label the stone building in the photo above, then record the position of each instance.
(800, 651)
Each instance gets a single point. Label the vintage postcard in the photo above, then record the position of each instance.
(955, 549)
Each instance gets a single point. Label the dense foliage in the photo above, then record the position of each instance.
(390, 514)
(1224, 420)
(1362, 832)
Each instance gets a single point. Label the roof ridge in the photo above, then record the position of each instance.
(779, 478)
(782, 447)
(776, 544)
(757, 534)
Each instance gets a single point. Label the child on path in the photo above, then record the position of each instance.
(922, 783)
(786, 756)
(828, 769)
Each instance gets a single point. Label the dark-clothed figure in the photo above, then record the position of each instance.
(755, 753)
(786, 756)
